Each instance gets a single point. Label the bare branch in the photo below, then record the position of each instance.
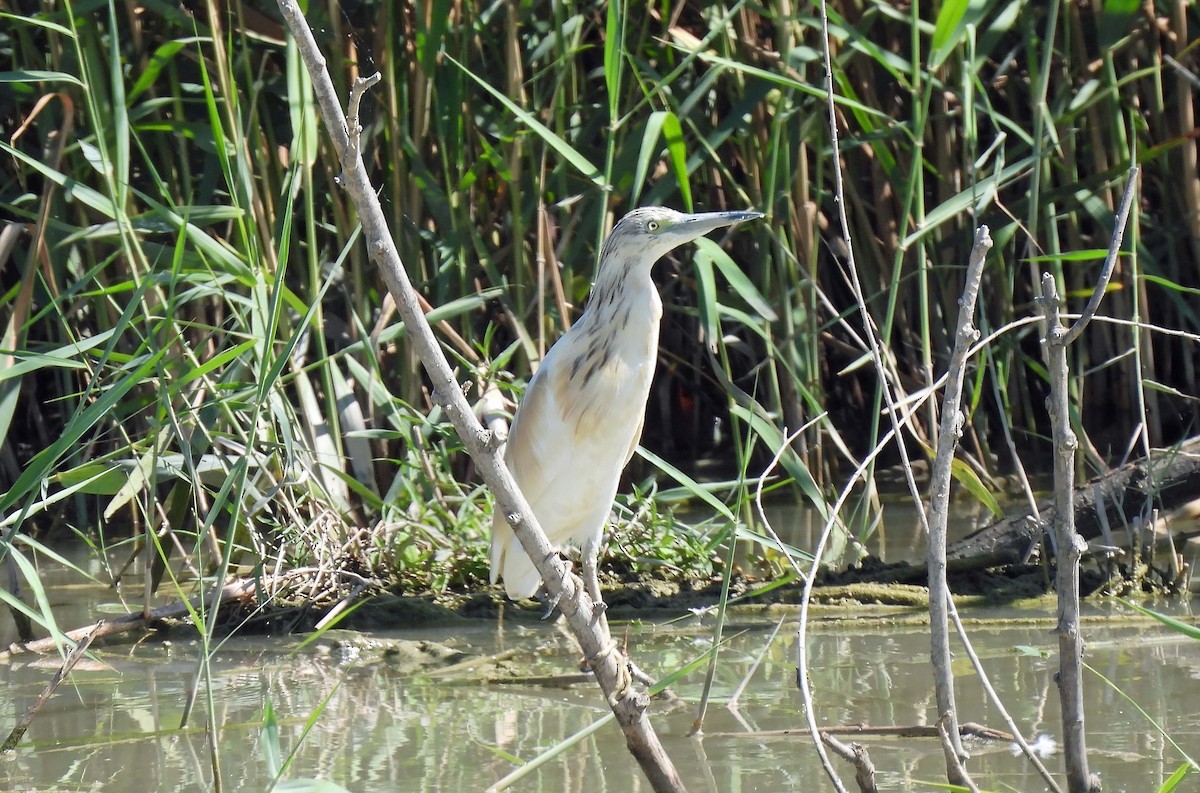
(73, 657)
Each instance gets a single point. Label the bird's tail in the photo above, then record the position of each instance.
(509, 560)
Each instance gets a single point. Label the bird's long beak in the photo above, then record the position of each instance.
(701, 223)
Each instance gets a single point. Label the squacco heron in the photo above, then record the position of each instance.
(582, 413)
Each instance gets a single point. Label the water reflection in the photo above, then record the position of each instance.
(382, 729)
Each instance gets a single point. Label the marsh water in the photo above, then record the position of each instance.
(367, 723)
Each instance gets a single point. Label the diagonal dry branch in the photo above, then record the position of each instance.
(585, 618)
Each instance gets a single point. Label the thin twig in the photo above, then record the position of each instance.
(856, 755)
(762, 480)
(18, 731)
(840, 198)
(802, 681)
(990, 690)
(1110, 261)
(740, 687)
(949, 749)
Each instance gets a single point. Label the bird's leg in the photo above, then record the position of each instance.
(590, 568)
(551, 601)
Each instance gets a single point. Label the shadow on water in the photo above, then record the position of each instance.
(384, 727)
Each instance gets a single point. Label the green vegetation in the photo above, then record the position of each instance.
(195, 352)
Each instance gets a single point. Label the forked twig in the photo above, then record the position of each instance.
(1069, 546)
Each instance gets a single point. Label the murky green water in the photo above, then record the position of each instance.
(115, 725)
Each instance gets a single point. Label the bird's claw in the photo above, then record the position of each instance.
(551, 604)
(624, 680)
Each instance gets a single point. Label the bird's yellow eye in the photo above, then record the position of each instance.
(652, 225)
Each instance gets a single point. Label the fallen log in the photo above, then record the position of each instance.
(1121, 501)
(243, 588)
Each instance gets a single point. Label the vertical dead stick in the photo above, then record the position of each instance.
(949, 432)
(1070, 546)
(587, 623)
(941, 607)
(18, 731)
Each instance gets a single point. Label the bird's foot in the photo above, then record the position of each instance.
(624, 680)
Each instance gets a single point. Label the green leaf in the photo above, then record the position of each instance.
(161, 57)
(94, 478)
(301, 108)
(667, 124)
(1163, 388)
(39, 76)
(947, 32)
(1163, 282)
(677, 153)
(41, 23)
(614, 43)
(790, 461)
(1172, 782)
(693, 487)
(965, 475)
(764, 541)
(216, 362)
(1191, 631)
(706, 299)
(737, 279)
(568, 152)
(1087, 255)
(1116, 21)
(61, 357)
(788, 82)
(647, 152)
(73, 189)
(44, 460)
(272, 754)
(977, 197)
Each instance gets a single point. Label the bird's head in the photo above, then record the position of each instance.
(646, 234)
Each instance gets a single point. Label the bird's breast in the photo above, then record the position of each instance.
(604, 375)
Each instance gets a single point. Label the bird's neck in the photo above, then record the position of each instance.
(624, 295)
